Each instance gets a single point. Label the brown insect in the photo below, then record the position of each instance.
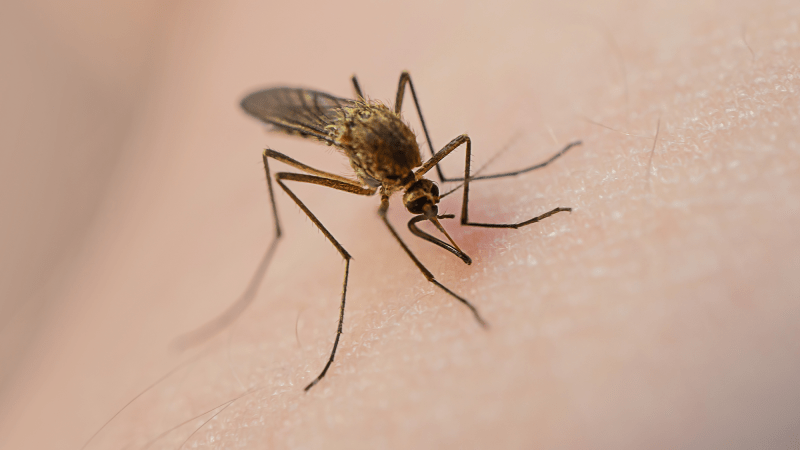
(384, 154)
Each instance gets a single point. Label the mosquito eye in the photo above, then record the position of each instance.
(415, 207)
(435, 190)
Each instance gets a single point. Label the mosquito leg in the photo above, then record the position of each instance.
(269, 153)
(209, 329)
(357, 88)
(465, 202)
(319, 177)
(334, 182)
(452, 145)
(405, 78)
(425, 272)
(521, 171)
(516, 225)
(335, 185)
(441, 154)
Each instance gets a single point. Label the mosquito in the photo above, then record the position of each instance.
(386, 159)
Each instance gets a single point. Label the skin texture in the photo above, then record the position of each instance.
(662, 312)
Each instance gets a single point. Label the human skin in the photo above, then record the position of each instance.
(662, 312)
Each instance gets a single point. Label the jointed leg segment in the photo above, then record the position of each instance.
(405, 78)
(449, 148)
(425, 272)
(328, 180)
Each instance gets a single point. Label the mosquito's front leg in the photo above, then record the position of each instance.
(465, 199)
(449, 148)
(521, 171)
(405, 78)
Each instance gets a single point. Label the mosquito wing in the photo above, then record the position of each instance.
(302, 112)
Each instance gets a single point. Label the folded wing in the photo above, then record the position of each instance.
(296, 111)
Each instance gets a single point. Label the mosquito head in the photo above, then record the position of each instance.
(422, 197)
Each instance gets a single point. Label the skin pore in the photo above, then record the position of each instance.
(661, 312)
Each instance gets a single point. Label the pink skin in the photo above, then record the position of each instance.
(661, 313)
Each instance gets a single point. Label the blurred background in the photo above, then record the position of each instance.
(120, 126)
(74, 76)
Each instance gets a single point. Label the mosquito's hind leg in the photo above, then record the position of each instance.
(318, 177)
(425, 272)
(335, 182)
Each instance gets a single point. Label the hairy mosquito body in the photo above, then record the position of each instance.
(385, 158)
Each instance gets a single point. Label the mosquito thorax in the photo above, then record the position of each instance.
(380, 145)
(421, 194)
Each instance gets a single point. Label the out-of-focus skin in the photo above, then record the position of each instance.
(661, 313)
